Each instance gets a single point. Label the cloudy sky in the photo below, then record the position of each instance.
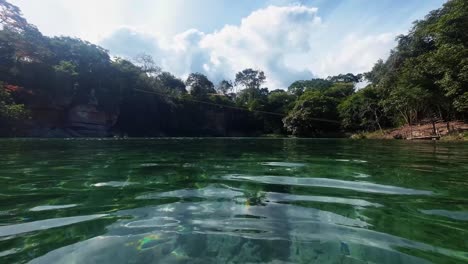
(287, 39)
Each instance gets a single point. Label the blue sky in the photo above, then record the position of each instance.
(288, 39)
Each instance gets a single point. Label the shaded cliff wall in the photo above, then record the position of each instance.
(151, 116)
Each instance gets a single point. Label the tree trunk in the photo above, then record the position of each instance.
(378, 123)
(408, 121)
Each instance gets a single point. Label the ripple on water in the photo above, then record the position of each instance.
(207, 192)
(283, 164)
(202, 215)
(154, 222)
(51, 207)
(9, 252)
(359, 186)
(360, 175)
(10, 230)
(282, 197)
(113, 184)
(305, 231)
(145, 165)
(215, 210)
(456, 215)
(353, 160)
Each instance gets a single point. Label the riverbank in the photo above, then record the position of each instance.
(451, 131)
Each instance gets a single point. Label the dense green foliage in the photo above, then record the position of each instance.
(9, 110)
(362, 111)
(425, 77)
(316, 111)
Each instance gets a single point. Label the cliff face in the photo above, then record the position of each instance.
(62, 117)
(153, 116)
(88, 121)
(135, 116)
(78, 121)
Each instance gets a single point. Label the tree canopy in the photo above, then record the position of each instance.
(424, 77)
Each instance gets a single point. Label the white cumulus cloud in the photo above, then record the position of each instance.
(280, 40)
(355, 53)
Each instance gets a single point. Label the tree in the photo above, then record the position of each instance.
(339, 90)
(7, 55)
(94, 68)
(11, 17)
(250, 79)
(28, 42)
(66, 76)
(224, 87)
(407, 101)
(147, 64)
(299, 87)
(9, 110)
(200, 86)
(362, 110)
(346, 78)
(430, 61)
(252, 98)
(314, 114)
(170, 84)
(279, 102)
(425, 77)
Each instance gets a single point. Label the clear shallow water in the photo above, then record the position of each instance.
(233, 201)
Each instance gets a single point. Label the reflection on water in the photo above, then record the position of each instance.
(232, 201)
(454, 215)
(330, 183)
(112, 184)
(9, 230)
(51, 207)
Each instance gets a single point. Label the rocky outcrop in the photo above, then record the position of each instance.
(59, 117)
(88, 121)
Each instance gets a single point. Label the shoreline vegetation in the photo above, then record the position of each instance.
(423, 131)
(68, 87)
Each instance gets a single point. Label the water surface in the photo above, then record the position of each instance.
(233, 201)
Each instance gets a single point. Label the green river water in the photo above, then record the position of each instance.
(233, 201)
